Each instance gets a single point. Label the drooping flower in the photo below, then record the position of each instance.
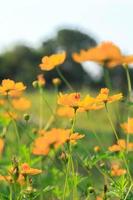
(50, 62)
(128, 126)
(9, 87)
(21, 104)
(106, 53)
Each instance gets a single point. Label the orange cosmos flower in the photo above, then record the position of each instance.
(54, 139)
(9, 87)
(2, 143)
(106, 53)
(65, 112)
(27, 170)
(128, 126)
(121, 146)
(21, 104)
(10, 115)
(50, 62)
(74, 137)
(106, 98)
(71, 100)
(116, 170)
(41, 80)
(99, 198)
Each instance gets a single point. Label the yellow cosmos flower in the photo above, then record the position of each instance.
(106, 53)
(9, 87)
(90, 103)
(50, 62)
(71, 100)
(21, 104)
(106, 98)
(128, 126)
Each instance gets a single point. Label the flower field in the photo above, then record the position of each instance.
(67, 144)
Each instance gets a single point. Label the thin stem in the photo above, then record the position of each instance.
(128, 191)
(111, 123)
(41, 107)
(70, 165)
(129, 95)
(128, 80)
(94, 132)
(107, 78)
(123, 154)
(64, 79)
(11, 193)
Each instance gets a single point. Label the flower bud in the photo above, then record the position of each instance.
(56, 81)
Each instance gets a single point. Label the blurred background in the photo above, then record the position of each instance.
(35, 28)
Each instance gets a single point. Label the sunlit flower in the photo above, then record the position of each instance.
(106, 53)
(21, 104)
(71, 100)
(104, 96)
(9, 87)
(27, 170)
(116, 170)
(90, 103)
(128, 126)
(50, 62)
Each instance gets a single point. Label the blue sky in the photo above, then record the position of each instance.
(31, 21)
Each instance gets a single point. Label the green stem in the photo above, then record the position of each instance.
(129, 94)
(64, 79)
(94, 132)
(11, 193)
(111, 123)
(70, 165)
(128, 191)
(41, 107)
(107, 78)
